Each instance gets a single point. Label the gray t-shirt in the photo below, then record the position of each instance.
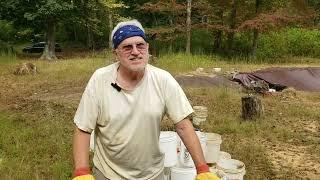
(127, 123)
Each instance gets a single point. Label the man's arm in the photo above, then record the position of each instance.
(81, 141)
(187, 134)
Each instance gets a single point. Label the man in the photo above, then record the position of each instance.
(124, 103)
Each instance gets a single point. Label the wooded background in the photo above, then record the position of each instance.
(242, 28)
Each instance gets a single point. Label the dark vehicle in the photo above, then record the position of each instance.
(38, 48)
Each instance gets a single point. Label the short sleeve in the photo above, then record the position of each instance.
(88, 109)
(177, 105)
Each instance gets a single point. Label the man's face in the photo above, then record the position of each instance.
(133, 53)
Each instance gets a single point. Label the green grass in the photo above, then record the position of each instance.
(36, 114)
(6, 58)
(34, 149)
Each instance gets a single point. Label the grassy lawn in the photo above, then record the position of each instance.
(36, 113)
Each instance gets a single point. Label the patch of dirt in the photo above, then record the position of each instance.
(312, 127)
(295, 159)
(68, 96)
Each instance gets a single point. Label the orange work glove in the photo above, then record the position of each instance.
(205, 174)
(82, 174)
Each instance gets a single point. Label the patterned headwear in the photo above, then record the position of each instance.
(126, 32)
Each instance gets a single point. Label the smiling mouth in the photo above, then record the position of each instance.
(135, 58)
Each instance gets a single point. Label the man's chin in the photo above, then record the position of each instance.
(137, 68)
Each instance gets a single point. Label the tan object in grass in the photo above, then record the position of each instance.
(200, 70)
(289, 94)
(26, 68)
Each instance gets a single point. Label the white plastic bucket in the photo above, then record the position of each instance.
(200, 114)
(200, 111)
(224, 155)
(168, 146)
(213, 147)
(178, 173)
(92, 141)
(185, 159)
(197, 120)
(232, 169)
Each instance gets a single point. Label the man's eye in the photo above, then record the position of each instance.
(127, 48)
(141, 46)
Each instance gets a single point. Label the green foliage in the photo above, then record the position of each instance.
(289, 42)
(242, 44)
(7, 31)
(7, 52)
(303, 42)
(272, 45)
(201, 43)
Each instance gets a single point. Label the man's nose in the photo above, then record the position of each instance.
(135, 50)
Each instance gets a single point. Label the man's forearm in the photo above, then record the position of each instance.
(187, 134)
(81, 141)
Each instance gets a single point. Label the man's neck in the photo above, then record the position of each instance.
(128, 75)
(129, 79)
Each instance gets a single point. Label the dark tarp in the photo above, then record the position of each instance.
(304, 79)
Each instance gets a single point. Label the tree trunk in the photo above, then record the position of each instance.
(251, 107)
(49, 49)
(75, 34)
(89, 38)
(255, 42)
(218, 34)
(255, 32)
(110, 28)
(217, 40)
(188, 27)
(232, 25)
(155, 20)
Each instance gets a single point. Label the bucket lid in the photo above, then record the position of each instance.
(201, 108)
(184, 170)
(224, 155)
(167, 135)
(201, 135)
(213, 137)
(232, 166)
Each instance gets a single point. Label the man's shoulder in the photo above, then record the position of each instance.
(158, 71)
(107, 70)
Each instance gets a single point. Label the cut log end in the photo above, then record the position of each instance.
(252, 107)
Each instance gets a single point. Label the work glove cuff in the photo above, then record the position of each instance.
(81, 171)
(203, 168)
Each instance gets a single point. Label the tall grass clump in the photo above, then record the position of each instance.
(7, 56)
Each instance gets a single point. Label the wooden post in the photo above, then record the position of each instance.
(251, 107)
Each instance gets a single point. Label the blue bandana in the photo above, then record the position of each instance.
(126, 32)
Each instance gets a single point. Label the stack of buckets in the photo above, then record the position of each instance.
(179, 164)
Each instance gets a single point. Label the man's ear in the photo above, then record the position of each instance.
(114, 52)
